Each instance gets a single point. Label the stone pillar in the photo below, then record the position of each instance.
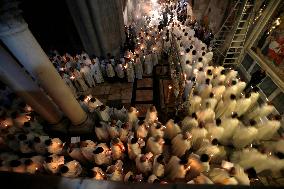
(99, 22)
(83, 22)
(21, 83)
(20, 41)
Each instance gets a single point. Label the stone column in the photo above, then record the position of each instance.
(21, 83)
(20, 41)
(99, 23)
(83, 22)
(107, 17)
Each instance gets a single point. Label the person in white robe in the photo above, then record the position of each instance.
(178, 169)
(230, 76)
(130, 72)
(87, 75)
(159, 166)
(117, 149)
(151, 115)
(109, 70)
(233, 89)
(189, 122)
(156, 129)
(148, 64)
(225, 108)
(194, 103)
(206, 115)
(219, 79)
(171, 129)
(254, 96)
(181, 143)
(93, 104)
(205, 89)
(71, 169)
(97, 174)
(198, 134)
(241, 85)
(102, 154)
(115, 172)
(104, 113)
(53, 162)
(142, 130)
(267, 129)
(144, 163)
(133, 148)
(138, 68)
(113, 129)
(96, 71)
(119, 70)
(217, 71)
(132, 117)
(76, 75)
(67, 80)
(221, 176)
(212, 101)
(230, 125)
(86, 61)
(261, 111)
(101, 132)
(216, 131)
(243, 104)
(54, 146)
(188, 87)
(245, 135)
(187, 70)
(218, 91)
(155, 145)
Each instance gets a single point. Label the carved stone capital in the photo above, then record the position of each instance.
(11, 20)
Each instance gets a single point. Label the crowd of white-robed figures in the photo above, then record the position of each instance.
(194, 150)
(82, 72)
(221, 140)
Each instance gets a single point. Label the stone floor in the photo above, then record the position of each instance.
(113, 93)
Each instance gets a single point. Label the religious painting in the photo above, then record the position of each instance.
(269, 45)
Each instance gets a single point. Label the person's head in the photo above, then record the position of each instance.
(200, 59)
(234, 115)
(152, 109)
(81, 97)
(187, 62)
(204, 158)
(247, 95)
(209, 72)
(187, 50)
(93, 99)
(193, 115)
(207, 81)
(218, 121)
(234, 82)
(211, 95)
(215, 142)
(194, 52)
(203, 54)
(201, 125)
(200, 69)
(98, 150)
(252, 122)
(233, 97)
(84, 58)
(115, 141)
(134, 140)
(64, 169)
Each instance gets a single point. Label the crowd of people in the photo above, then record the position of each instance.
(221, 140)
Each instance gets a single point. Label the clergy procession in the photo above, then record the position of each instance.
(224, 136)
